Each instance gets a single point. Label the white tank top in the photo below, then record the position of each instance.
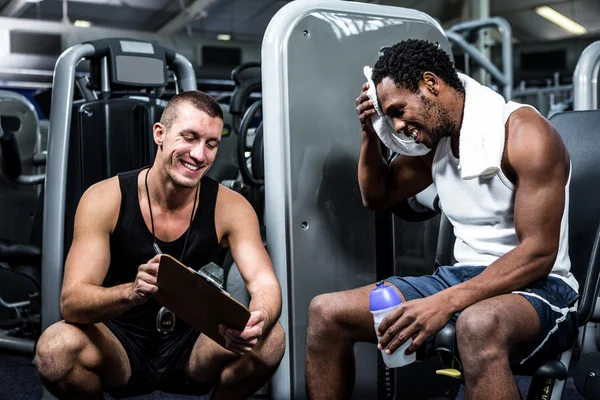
(482, 212)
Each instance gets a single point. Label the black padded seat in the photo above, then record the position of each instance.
(551, 369)
(19, 253)
(447, 348)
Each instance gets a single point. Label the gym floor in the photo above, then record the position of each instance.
(18, 381)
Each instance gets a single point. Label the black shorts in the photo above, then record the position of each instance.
(158, 362)
(553, 300)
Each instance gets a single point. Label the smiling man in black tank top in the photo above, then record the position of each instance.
(109, 339)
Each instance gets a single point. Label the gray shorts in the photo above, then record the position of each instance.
(553, 300)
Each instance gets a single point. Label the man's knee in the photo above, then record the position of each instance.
(479, 334)
(321, 315)
(260, 363)
(269, 354)
(58, 350)
(274, 347)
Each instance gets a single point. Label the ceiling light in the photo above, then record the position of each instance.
(82, 23)
(557, 18)
(33, 1)
(224, 36)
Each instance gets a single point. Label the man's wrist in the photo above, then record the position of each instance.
(452, 300)
(368, 135)
(127, 294)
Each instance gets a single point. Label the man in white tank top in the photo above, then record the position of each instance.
(511, 294)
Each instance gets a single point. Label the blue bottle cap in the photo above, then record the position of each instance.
(383, 297)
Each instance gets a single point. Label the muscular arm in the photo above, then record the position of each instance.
(241, 232)
(83, 299)
(540, 163)
(383, 186)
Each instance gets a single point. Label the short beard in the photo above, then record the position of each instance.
(444, 128)
(444, 125)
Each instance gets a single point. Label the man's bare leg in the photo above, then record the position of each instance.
(237, 377)
(490, 334)
(336, 321)
(75, 361)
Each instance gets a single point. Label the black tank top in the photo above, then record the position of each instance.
(131, 245)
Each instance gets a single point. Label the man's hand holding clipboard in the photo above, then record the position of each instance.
(241, 342)
(207, 307)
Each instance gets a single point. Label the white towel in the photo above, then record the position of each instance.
(383, 125)
(482, 135)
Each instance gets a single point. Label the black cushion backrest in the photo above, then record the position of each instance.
(107, 137)
(580, 131)
(11, 160)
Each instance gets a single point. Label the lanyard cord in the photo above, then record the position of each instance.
(187, 235)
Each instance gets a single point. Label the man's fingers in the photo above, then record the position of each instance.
(147, 278)
(151, 269)
(150, 289)
(370, 112)
(245, 336)
(365, 116)
(365, 104)
(360, 109)
(417, 342)
(399, 339)
(234, 347)
(390, 319)
(390, 333)
(145, 290)
(363, 97)
(251, 333)
(256, 317)
(233, 338)
(234, 332)
(237, 345)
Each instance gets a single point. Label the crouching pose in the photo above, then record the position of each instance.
(109, 339)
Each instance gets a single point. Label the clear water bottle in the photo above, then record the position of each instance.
(382, 300)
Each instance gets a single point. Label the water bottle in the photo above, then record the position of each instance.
(382, 300)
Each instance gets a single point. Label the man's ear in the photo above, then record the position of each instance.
(432, 82)
(159, 131)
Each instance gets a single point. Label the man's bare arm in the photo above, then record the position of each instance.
(83, 299)
(541, 164)
(243, 236)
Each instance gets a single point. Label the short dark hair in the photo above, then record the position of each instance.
(405, 63)
(196, 98)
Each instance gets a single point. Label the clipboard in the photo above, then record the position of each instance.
(197, 301)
